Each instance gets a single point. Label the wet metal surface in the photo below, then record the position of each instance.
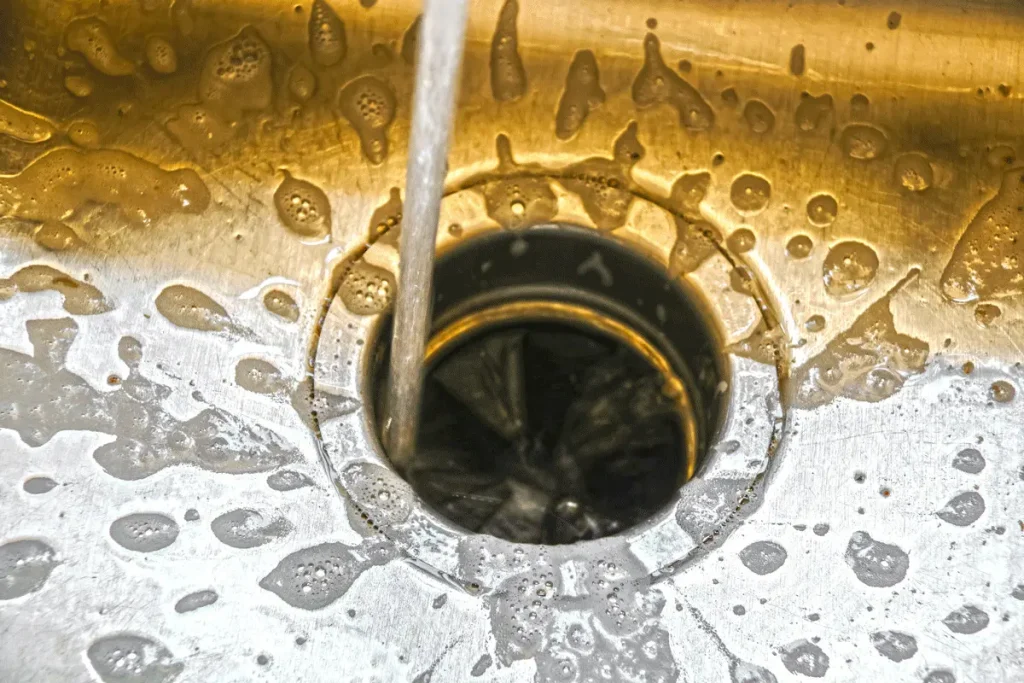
(191, 484)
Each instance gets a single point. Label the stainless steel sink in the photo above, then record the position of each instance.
(199, 216)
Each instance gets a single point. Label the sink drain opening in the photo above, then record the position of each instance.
(570, 387)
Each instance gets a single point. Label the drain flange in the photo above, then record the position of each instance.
(558, 405)
(692, 323)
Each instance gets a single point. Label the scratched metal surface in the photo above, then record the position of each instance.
(173, 510)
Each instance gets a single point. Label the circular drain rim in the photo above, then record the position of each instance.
(705, 510)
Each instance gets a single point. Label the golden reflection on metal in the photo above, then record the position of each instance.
(871, 144)
(539, 310)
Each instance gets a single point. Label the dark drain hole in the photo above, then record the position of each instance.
(546, 416)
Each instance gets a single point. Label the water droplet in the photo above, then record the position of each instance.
(1002, 391)
(875, 563)
(78, 85)
(281, 304)
(369, 104)
(963, 509)
(259, 376)
(237, 75)
(966, 620)
(327, 41)
(849, 268)
(365, 482)
(870, 361)
(797, 60)
(750, 193)
(914, 172)
(695, 243)
(194, 601)
(863, 142)
(799, 247)
(603, 184)
(303, 207)
(39, 485)
(657, 84)
(741, 241)
(161, 56)
(64, 180)
(508, 75)
(55, 236)
(84, 134)
(813, 112)
(894, 645)
(582, 93)
(481, 666)
(25, 565)
(80, 298)
(187, 307)
(805, 658)
(987, 261)
(301, 83)
(288, 480)
(969, 460)
(245, 528)
(366, 289)
(24, 125)
(294, 578)
(92, 39)
(986, 314)
(763, 557)
(822, 209)
(144, 532)
(128, 657)
(859, 105)
(688, 191)
(759, 116)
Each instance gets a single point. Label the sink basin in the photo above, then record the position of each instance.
(200, 206)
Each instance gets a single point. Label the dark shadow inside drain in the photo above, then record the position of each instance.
(571, 387)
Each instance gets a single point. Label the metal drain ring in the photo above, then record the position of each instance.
(724, 489)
